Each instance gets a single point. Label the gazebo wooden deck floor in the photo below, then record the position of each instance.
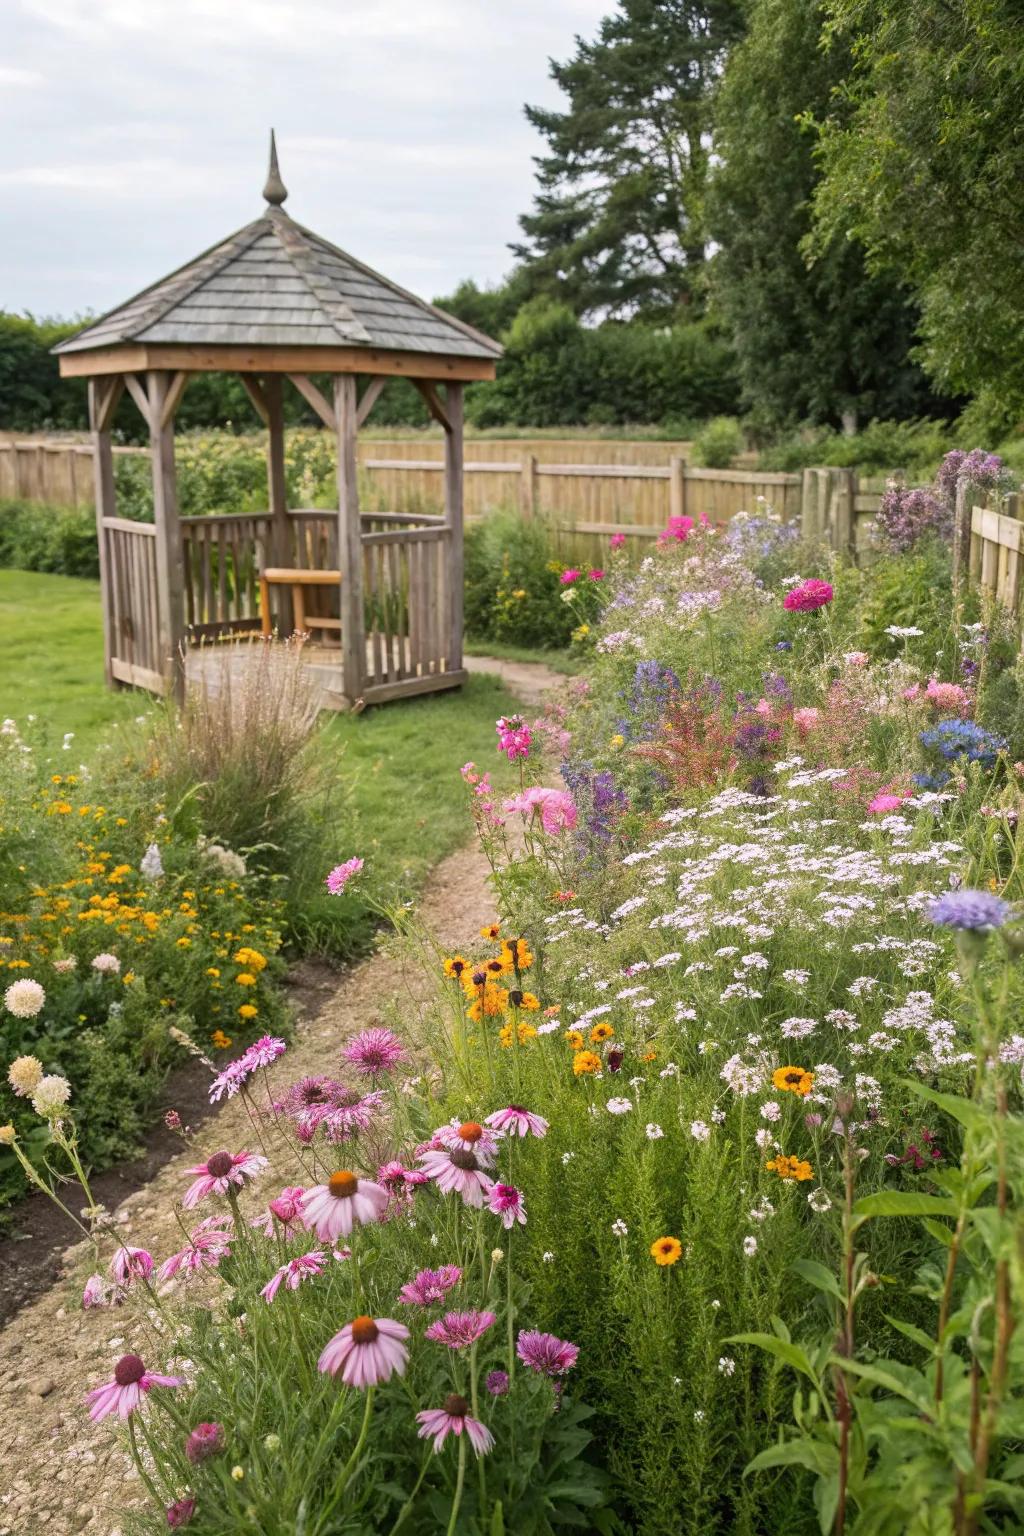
(272, 302)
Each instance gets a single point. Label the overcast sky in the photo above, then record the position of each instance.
(134, 133)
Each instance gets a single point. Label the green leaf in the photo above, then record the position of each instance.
(970, 1115)
(826, 1501)
(899, 1203)
(940, 1233)
(910, 1331)
(901, 1380)
(815, 1455)
(497, 1520)
(782, 1349)
(817, 1275)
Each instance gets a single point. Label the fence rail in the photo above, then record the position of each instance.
(997, 551)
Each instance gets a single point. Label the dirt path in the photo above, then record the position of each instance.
(61, 1474)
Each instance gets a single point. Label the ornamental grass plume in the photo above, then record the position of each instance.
(367, 1352)
(438, 1423)
(124, 1394)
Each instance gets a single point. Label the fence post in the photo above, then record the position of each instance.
(961, 538)
(806, 502)
(843, 519)
(676, 486)
(528, 487)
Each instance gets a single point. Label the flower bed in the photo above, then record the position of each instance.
(693, 1203)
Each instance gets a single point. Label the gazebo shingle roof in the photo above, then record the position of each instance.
(276, 283)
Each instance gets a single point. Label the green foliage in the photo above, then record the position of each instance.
(32, 396)
(57, 540)
(514, 593)
(717, 444)
(924, 166)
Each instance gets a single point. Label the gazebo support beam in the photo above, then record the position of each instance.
(169, 570)
(433, 400)
(453, 467)
(371, 394)
(350, 547)
(280, 531)
(312, 396)
(104, 398)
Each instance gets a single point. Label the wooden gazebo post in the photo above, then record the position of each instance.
(350, 547)
(453, 459)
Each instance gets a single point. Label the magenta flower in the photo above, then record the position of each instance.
(285, 1208)
(460, 1329)
(556, 808)
(514, 736)
(430, 1285)
(264, 1051)
(517, 1121)
(496, 1383)
(808, 596)
(595, 575)
(219, 1173)
(367, 1351)
(125, 1393)
(398, 1180)
(569, 576)
(313, 1102)
(344, 1202)
(210, 1242)
(205, 1440)
(180, 1512)
(130, 1264)
(453, 1418)
(543, 1352)
(678, 530)
(100, 1293)
(457, 1171)
(341, 874)
(373, 1052)
(292, 1274)
(616, 541)
(509, 1203)
(882, 804)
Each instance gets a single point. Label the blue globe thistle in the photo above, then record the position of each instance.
(971, 911)
(956, 739)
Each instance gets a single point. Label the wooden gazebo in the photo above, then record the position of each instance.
(276, 302)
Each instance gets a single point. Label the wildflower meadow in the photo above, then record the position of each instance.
(690, 1200)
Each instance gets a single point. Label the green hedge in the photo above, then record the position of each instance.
(58, 540)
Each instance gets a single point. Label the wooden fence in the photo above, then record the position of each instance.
(994, 536)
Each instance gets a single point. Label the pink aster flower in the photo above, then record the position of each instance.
(430, 1285)
(517, 1121)
(285, 1208)
(373, 1052)
(204, 1441)
(543, 1352)
(616, 541)
(569, 575)
(219, 1173)
(367, 1351)
(125, 1393)
(806, 719)
(882, 804)
(210, 1242)
(130, 1264)
(341, 874)
(808, 596)
(453, 1418)
(456, 1171)
(460, 1329)
(292, 1274)
(514, 736)
(509, 1203)
(345, 1201)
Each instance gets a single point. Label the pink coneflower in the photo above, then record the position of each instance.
(100, 1293)
(430, 1285)
(399, 1180)
(180, 1512)
(468, 1136)
(285, 1208)
(209, 1243)
(374, 1052)
(204, 1441)
(341, 874)
(219, 1173)
(315, 1102)
(367, 1351)
(460, 1329)
(292, 1274)
(456, 1171)
(509, 1203)
(453, 1418)
(125, 1393)
(346, 1200)
(130, 1264)
(517, 1121)
(543, 1352)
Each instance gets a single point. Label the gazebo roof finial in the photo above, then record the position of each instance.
(275, 190)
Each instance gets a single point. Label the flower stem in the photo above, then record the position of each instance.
(460, 1482)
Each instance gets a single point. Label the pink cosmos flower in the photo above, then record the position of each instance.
(453, 1418)
(341, 874)
(210, 1242)
(509, 1203)
(125, 1393)
(373, 1052)
(180, 1512)
(514, 736)
(130, 1264)
(556, 808)
(292, 1274)
(460, 1329)
(346, 1200)
(806, 719)
(617, 540)
(219, 1173)
(430, 1285)
(543, 1352)
(569, 576)
(808, 596)
(285, 1208)
(367, 1351)
(204, 1441)
(882, 804)
(517, 1121)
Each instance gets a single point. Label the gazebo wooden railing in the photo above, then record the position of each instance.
(276, 302)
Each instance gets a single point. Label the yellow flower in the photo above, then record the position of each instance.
(211, 970)
(601, 1032)
(454, 966)
(245, 979)
(489, 1000)
(585, 1062)
(524, 1000)
(574, 1040)
(516, 952)
(526, 1032)
(491, 931)
(793, 1080)
(790, 1168)
(666, 1250)
(618, 740)
(248, 1011)
(221, 1041)
(251, 959)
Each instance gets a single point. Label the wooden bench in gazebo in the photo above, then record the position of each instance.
(275, 303)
